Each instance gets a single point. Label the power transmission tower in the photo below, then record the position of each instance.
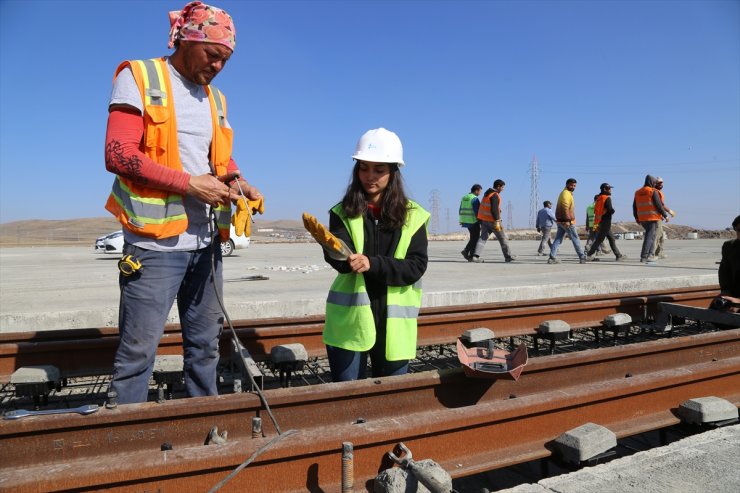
(434, 203)
(509, 215)
(534, 194)
(449, 228)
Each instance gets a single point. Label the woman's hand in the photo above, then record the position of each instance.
(359, 263)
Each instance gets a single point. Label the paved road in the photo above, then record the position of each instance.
(45, 288)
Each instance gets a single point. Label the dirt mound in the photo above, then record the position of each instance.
(39, 232)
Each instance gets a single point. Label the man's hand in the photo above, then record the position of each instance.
(539, 230)
(209, 189)
(249, 191)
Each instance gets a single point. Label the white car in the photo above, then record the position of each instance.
(113, 243)
(110, 243)
(234, 243)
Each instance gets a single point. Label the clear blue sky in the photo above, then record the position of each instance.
(597, 90)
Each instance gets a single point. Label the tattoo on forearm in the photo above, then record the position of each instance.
(129, 167)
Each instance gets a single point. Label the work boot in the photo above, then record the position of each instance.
(649, 260)
(477, 259)
(582, 260)
(511, 258)
(541, 254)
(465, 255)
(553, 260)
(621, 258)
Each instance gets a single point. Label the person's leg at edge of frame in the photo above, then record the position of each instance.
(202, 322)
(346, 365)
(143, 311)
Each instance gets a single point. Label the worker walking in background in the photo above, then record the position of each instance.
(565, 214)
(169, 144)
(468, 217)
(729, 272)
(648, 210)
(489, 214)
(603, 212)
(545, 222)
(659, 235)
(374, 302)
(591, 231)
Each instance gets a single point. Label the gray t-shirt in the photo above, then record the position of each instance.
(194, 133)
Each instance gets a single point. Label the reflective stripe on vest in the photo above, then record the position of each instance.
(646, 210)
(156, 213)
(465, 212)
(349, 318)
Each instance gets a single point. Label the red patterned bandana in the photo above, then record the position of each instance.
(200, 22)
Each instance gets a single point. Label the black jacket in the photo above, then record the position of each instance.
(729, 269)
(384, 269)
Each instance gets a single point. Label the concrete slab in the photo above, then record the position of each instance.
(707, 410)
(288, 353)
(617, 320)
(704, 462)
(584, 443)
(35, 374)
(44, 288)
(553, 327)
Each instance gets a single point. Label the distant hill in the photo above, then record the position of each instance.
(41, 232)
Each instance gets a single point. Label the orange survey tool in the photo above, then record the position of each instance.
(335, 247)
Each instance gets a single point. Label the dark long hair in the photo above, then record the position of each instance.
(394, 202)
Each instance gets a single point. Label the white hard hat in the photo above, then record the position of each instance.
(379, 146)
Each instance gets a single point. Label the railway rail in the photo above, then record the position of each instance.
(466, 425)
(82, 352)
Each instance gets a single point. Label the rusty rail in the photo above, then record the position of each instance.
(466, 425)
(83, 352)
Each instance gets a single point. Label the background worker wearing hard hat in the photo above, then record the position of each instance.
(648, 211)
(603, 212)
(163, 134)
(374, 302)
(659, 239)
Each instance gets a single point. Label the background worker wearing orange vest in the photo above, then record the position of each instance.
(489, 214)
(648, 211)
(166, 196)
(603, 212)
(659, 250)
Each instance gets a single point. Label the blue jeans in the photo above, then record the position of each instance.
(349, 365)
(562, 229)
(146, 299)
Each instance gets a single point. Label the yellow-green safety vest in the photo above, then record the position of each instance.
(349, 318)
(466, 212)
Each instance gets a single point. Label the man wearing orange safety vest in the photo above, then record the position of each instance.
(603, 212)
(169, 144)
(489, 214)
(648, 211)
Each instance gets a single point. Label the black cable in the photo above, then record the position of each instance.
(216, 243)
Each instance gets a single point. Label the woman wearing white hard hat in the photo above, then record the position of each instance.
(374, 302)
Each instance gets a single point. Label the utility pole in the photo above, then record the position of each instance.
(534, 194)
(434, 203)
(509, 215)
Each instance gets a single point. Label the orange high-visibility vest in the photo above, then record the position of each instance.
(646, 210)
(484, 211)
(158, 213)
(599, 208)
